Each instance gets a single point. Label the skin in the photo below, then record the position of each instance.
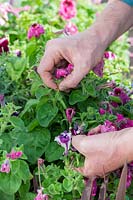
(104, 152)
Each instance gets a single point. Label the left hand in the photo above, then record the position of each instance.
(104, 152)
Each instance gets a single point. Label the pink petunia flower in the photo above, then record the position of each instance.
(70, 29)
(41, 196)
(36, 30)
(61, 73)
(5, 167)
(102, 111)
(129, 178)
(14, 154)
(108, 126)
(119, 92)
(67, 9)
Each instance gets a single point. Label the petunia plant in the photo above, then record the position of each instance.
(37, 159)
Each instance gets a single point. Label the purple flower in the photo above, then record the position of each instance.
(41, 196)
(69, 68)
(5, 167)
(77, 129)
(67, 9)
(70, 112)
(35, 31)
(14, 154)
(64, 139)
(107, 127)
(109, 55)
(98, 69)
(3, 45)
(70, 29)
(2, 100)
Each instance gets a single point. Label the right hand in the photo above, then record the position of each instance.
(83, 50)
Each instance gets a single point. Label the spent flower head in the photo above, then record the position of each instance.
(5, 167)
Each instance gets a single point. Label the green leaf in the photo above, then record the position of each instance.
(91, 91)
(4, 196)
(46, 113)
(115, 99)
(24, 171)
(9, 183)
(55, 188)
(54, 152)
(29, 104)
(77, 96)
(18, 123)
(35, 143)
(42, 92)
(68, 184)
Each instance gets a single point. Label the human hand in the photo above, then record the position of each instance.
(83, 50)
(104, 152)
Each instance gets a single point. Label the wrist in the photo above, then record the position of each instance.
(116, 18)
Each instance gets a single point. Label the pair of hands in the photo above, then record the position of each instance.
(104, 152)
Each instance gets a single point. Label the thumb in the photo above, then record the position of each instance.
(79, 142)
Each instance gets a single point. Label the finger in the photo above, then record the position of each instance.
(73, 79)
(46, 67)
(95, 130)
(79, 143)
(85, 172)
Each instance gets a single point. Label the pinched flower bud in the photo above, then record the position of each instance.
(14, 154)
(17, 52)
(70, 29)
(35, 31)
(67, 9)
(60, 73)
(64, 139)
(70, 112)
(3, 45)
(5, 167)
(108, 126)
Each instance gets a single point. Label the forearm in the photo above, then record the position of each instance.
(115, 19)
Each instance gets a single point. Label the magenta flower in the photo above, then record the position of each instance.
(98, 69)
(102, 111)
(123, 122)
(2, 100)
(64, 139)
(94, 188)
(41, 196)
(69, 69)
(61, 73)
(129, 178)
(3, 45)
(5, 167)
(35, 31)
(70, 112)
(67, 9)
(107, 127)
(70, 29)
(109, 55)
(14, 154)
(119, 92)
